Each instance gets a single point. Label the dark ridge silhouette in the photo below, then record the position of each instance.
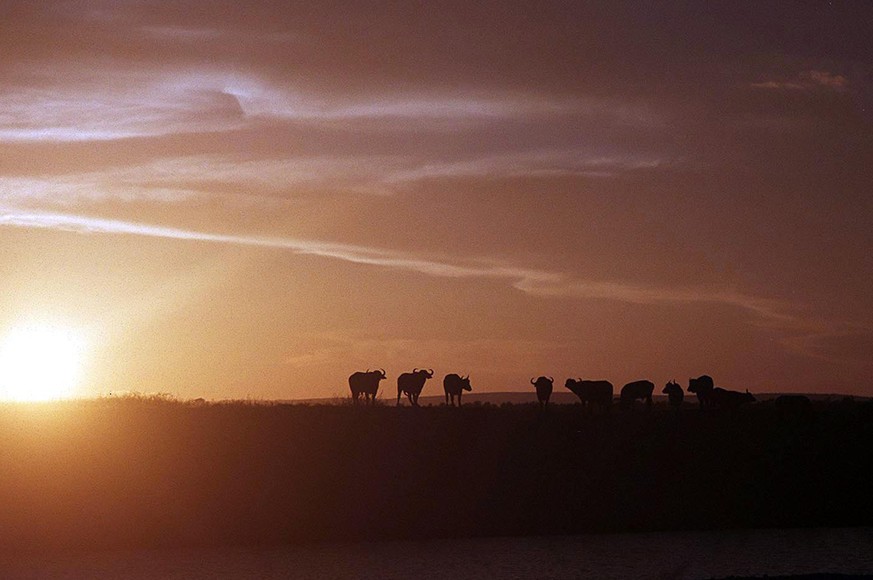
(725, 399)
(411, 384)
(559, 397)
(367, 384)
(675, 394)
(150, 473)
(592, 394)
(636, 390)
(454, 385)
(544, 386)
(702, 386)
(825, 576)
(793, 404)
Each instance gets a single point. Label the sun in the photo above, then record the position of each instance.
(40, 362)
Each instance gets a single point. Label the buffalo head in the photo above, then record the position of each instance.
(672, 386)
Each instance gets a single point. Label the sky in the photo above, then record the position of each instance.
(255, 199)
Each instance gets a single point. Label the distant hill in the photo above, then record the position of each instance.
(559, 397)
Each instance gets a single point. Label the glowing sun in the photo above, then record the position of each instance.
(40, 362)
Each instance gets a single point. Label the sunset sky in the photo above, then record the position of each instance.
(254, 199)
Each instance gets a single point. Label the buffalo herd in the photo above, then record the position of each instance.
(593, 395)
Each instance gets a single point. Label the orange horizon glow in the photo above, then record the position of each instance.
(258, 200)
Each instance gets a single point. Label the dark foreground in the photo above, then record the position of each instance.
(807, 554)
(140, 474)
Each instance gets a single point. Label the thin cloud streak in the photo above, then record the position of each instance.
(68, 191)
(345, 252)
(528, 280)
(807, 80)
(93, 111)
(180, 179)
(126, 103)
(773, 311)
(534, 163)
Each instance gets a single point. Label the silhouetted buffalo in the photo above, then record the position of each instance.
(793, 403)
(411, 384)
(592, 393)
(544, 390)
(636, 390)
(725, 399)
(702, 387)
(674, 393)
(455, 385)
(365, 383)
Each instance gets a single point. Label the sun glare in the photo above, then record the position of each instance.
(40, 362)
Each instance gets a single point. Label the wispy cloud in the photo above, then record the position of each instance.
(77, 103)
(69, 190)
(826, 79)
(349, 253)
(806, 80)
(180, 179)
(534, 163)
(130, 107)
(771, 310)
(532, 281)
(835, 342)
